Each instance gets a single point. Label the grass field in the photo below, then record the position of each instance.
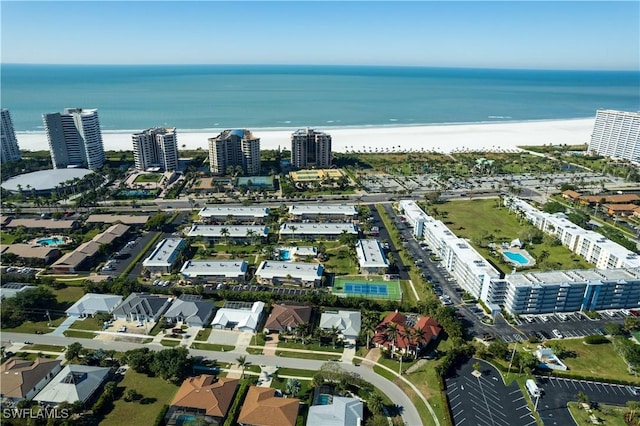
(212, 347)
(79, 334)
(204, 334)
(608, 415)
(155, 393)
(310, 346)
(68, 295)
(91, 324)
(305, 355)
(480, 220)
(148, 177)
(358, 287)
(36, 326)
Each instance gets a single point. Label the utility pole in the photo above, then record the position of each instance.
(49, 317)
(513, 353)
(400, 371)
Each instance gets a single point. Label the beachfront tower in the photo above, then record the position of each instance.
(156, 148)
(233, 150)
(10, 150)
(75, 139)
(616, 134)
(310, 148)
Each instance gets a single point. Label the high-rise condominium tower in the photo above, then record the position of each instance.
(616, 134)
(10, 150)
(75, 138)
(156, 147)
(234, 148)
(310, 148)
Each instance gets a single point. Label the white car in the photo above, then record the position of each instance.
(557, 334)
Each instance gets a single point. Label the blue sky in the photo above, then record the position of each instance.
(551, 35)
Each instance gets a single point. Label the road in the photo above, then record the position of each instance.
(407, 409)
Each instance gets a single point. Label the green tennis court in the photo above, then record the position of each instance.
(370, 289)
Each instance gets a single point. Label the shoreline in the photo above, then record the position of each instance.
(440, 137)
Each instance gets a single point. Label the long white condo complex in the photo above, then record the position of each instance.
(156, 148)
(10, 149)
(75, 138)
(616, 134)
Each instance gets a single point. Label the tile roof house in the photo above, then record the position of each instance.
(426, 326)
(142, 306)
(92, 303)
(73, 383)
(204, 396)
(190, 310)
(341, 412)
(262, 408)
(348, 322)
(287, 317)
(23, 379)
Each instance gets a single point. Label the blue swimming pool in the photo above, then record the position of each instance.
(185, 419)
(51, 241)
(285, 254)
(324, 399)
(516, 258)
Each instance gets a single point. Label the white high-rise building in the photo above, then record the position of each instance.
(616, 134)
(235, 148)
(75, 138)
(10, 149)
(310, 148)
(156, 147)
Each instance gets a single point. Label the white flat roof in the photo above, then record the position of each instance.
(318, 228)
(574, 276)
(243, 317)
(223, 211)
(165, 253)
(235, 231)
(323, 209)
(214, 267)
(270, 269)
(370, 254)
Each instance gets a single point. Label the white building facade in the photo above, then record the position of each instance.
(75, 138)
(10, 149)
(233, 149)
(616, 134)
(156, 147)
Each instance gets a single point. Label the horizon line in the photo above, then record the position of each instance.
(636, 70)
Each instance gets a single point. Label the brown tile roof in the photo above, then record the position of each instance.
(621, 207)
(571, 194)
(206, 393)
(615, 199)
(283, 316)
(42, 223)
(427, 325)
(29, 251)
(262, 408)
(112, 218)
(18, 376)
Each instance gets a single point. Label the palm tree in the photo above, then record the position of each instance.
(391, 334)
(293, 228)
(406, 334)
(369, 324)
(224, 233)
(375, 403)
(334, 332)
(243, 363)
(301, 331)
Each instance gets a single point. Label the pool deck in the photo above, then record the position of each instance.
(524, 253)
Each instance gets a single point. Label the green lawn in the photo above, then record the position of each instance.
(212, 347)
(608, 415)
(45, 348)
(203, 334)
(79, 334)
(155, 392)
(305, 355)
(148, 177)
(310, 346)
(479, 220)
(68, 295)
(170, 342)
(37, 326)
(7, 238)
(91, 324)
(283, 371)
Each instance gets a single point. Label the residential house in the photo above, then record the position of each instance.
(287, 318)
(263, 408)
(11, 289)
(204, 397)
(340, 412)
(73, 383)
(347, 322)
(93, 303)
(23, 379)
(142, 307)
(414, 333)
(241, 316)
(190, 310)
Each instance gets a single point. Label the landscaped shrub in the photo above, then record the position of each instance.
(596, 339)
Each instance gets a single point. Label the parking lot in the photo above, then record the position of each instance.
(485, 400)
(574, 324)
(558, 391)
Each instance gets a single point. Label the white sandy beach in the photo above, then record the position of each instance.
(440, 138)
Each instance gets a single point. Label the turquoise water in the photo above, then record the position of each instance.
(324, 399)
(185, 419)
(516, 257)
(51, 241)
(285, 254)
(257, 97)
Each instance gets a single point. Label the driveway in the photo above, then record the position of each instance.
(59, 331)
(484, 400)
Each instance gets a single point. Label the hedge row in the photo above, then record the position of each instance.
(234, 412)
(160, 417)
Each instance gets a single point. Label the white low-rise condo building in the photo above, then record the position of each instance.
(470, 269)
(316, 230)
(569, 291)
(371, 257)
(164, 256)
(216, 270)
(323, 212)
(238, 233)
(276, 272)
(592, 246)
(234, 214)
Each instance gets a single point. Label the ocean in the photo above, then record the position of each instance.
(198, 97)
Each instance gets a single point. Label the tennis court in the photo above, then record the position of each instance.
(369, 289)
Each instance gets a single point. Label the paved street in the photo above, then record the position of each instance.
(409, 413)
